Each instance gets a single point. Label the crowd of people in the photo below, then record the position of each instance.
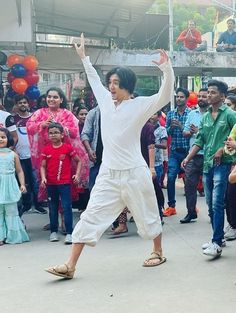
(113, 159)
(190, 39)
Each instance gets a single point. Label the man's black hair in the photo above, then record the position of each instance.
(126, 76)
(183, 90)
(203, 89)
(221, 86)
(56, 125)
(18, 98)
(10, 141)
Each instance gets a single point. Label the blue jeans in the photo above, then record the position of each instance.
(174, 168)
(63, 192)
(159, 173)
(93, 175)
(215, 184)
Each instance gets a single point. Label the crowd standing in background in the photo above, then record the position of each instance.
(93, 159)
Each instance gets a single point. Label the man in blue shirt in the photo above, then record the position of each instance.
(227, 40)
(179, 145)
(194, 168)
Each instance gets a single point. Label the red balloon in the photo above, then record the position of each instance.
(10, 77)
(30, 62)
(32, 78)
(19, 85)
(14, 59)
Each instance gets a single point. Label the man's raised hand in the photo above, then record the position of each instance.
(80, 49)
(163, 57)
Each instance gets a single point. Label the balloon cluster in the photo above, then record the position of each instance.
(23, 76)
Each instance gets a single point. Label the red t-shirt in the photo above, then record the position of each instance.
(58, 164)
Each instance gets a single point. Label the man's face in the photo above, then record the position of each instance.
(22, 105)
(230, 26)
(181, 99)
(191, 25)
(214, 97)
(202, 99)
(117, 93)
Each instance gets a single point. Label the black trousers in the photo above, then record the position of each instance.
(231, 205)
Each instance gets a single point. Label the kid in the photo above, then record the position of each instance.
(12, 229)
(56, 176)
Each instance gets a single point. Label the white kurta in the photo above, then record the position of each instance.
(124, 179)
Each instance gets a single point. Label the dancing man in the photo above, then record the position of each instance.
(124, 178)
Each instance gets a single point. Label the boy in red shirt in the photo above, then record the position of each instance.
(56, 176)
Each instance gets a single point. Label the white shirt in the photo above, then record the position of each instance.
(7, 121)
(121, 125)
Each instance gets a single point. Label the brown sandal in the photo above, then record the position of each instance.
(62, 271)
(154, 256)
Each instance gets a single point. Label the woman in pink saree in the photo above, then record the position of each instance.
(37, 128)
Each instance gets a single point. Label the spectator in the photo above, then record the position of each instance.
(7, 121)
(81, 114)
(194, 168)
(227, 40)
(23, 150)
(215, 126)
(231, 102)
(179, 145)
(190, 38)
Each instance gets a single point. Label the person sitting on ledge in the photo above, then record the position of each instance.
(191, 38)
(227, 40)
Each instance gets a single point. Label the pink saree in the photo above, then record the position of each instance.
(38, 138)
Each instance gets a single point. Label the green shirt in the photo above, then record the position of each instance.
(212, 134)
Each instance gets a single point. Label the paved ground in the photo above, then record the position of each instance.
(110, 278)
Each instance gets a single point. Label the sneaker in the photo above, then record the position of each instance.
(41, 210)
(68, 239)
(230, 233)
(213, 250)
(53, 237)
(207, 244)
(169, 211)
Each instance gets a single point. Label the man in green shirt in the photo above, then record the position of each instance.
(213, 131)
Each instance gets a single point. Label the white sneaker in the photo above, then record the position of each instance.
(68, 239)
(207, 244)
(227, 228)
(53, 237)
(213, 250)
(230, 233)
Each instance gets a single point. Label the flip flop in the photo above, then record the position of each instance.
(154, 256)
(61, 270)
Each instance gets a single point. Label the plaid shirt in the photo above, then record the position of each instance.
(178, 140)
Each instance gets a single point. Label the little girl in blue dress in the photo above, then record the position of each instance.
(12, 229)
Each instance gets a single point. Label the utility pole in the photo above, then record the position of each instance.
(170, 9)
(170, 26)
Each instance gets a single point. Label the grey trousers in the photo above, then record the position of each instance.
(193, 171)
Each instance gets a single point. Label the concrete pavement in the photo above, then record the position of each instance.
(110, 278)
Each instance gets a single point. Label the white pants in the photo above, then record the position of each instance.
(113, 191)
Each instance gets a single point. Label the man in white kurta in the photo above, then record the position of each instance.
(124, 178)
